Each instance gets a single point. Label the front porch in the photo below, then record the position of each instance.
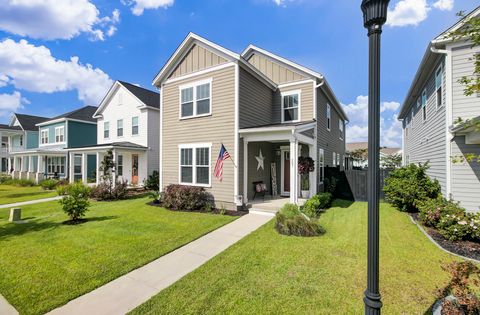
(270, 160)
(38, 165)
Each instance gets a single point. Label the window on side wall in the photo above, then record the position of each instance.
(120, 128)
(321, 163)
(134, 125)
(329, 116)
(340, 128)
(334, 159)
(120, 165)
(195, 165)
(44, 136)
(290, 106)
(424, 105)
(106, 130)
(438, 86)
(59, 134)
(195, 99)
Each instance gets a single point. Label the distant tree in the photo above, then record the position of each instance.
(391, 161)
(359, 155)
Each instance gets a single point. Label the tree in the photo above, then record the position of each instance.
(359, 155)
(391, 161)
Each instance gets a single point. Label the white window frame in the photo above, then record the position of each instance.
(424, 105)
(439, 72)
(329, 117)
(334, 156)
(60, 135)
(194, 147)
(341, 128)
(106, 123)
(288, 93)
(321, 164)
(194, 85)
(123, 128)
(119, 167)
(137, 125)
(44, 139)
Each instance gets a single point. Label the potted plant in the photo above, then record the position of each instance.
(305, 166)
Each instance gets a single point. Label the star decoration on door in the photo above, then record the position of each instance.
(260, 159)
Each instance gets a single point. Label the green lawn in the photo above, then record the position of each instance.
(44, 263)
(12, 194)
(267, 273)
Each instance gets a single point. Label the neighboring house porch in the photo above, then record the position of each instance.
(130, 163)
(39, 164)
(277, 148)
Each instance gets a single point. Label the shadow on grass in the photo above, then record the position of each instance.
(18, 229)
(27, 194)
(342, 203)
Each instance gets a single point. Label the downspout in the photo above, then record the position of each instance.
(448, 113)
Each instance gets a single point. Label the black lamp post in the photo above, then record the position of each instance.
(374, 16)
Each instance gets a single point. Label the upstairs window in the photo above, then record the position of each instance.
(195, 99)
(59, 134)
(106, 130)
(290, 106)
(44, 136)
(120, 128)
(340, 128)
(21, 140)
(424, 105)
(438, 86)
(329, 116)
(134, 125)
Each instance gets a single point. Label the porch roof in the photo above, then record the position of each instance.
(113, 145)
(43, 151)
(293, 126)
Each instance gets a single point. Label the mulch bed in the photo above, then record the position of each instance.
(231, 213)
(464, 248)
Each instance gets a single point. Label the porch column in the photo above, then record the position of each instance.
(9, 164)
(30, 163)
(84, 168)
(97, 171)
(245, 171)
(313, 175)
(40, 168)
(70, 168)
(114, 170)
(294, 171)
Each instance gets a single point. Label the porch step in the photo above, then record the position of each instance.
(268, 213)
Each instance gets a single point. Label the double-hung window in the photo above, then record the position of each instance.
(195, 99)
(44, 136)
(135, 125)
(321, 163)
(120, 165)
(340, 127)
(290, 106)
(424, 105)
(106, 130)
(120, 128)
(438, 86)
(60, 134)
(329, 116)
(195, 164)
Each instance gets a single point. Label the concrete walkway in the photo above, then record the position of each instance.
(129, 291)
(30, 202)
(6, 308)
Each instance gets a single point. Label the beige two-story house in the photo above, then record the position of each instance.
(266, 110)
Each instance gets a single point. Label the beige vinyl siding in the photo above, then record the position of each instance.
(426, 140)
(255, 99)
(273, 70)
(306, 101)
(198, 58)
(217, 128)
(463, 65)
(153, 133)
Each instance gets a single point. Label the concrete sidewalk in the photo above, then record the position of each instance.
(129, 291)
(6, 308)
(30, 202)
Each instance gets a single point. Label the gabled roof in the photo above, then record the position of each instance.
(429, 60)
(193, 39)
(85, 113)
(8, 127)
(148, 97)
(29, 122)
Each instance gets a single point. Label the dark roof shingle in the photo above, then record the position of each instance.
(29, 122)
(148, 97)
(85, 113)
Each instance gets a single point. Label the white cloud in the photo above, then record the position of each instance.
(33, 68)
(357, 128)
(138, 6)
(11, 102)
(53, 19)
(408, 12)
(444, 5)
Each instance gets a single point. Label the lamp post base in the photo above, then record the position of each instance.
(373, 303)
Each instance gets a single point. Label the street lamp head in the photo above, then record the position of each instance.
(374, 12)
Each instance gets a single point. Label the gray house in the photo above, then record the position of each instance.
(266, 110)
(434, 102)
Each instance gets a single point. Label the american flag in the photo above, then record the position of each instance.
(222, 156)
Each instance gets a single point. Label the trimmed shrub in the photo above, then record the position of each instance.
(409, 186)
(75, 200)
(187, 198)
(4, 178)
(152, 182)
(290, 221)
(104, 191)
(49, 184)
(432, 210)
(314, 206)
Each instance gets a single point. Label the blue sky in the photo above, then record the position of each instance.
(56, 56)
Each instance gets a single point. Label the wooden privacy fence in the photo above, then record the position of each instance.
(353, 184)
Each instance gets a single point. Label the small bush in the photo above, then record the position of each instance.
(409, 186)
(22, 182)
(432, 210)
(75, 200)
(105, 191)
(49, 184)
(152, 182)
(5, 179)
(187, 198)
(315, 205)
(290, 221)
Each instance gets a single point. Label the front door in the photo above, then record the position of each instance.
(285, 172)
(134, 169)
